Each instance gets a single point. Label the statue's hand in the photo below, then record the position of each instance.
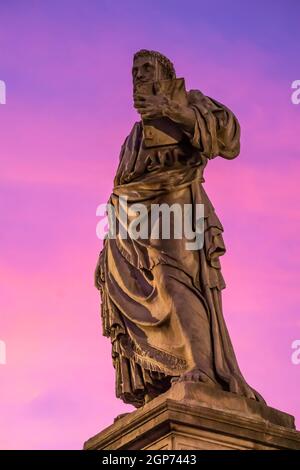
(159, 105)
(151, 106)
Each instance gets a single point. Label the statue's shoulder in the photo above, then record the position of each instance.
(136, 128)
(135, 132)
(196, 97)
(132, 137)
(207, 104)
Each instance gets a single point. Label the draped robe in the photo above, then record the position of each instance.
(161, 303)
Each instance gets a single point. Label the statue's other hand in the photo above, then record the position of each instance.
(151, 106)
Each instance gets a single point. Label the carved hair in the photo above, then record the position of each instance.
(160, 58)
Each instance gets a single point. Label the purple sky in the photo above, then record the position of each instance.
(67, 67)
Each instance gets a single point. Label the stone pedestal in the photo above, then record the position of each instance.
(192, 416)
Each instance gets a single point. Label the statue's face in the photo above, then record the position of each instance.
(144, 70)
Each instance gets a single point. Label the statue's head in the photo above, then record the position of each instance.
(149, 66)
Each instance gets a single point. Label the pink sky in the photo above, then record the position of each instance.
(68, 110)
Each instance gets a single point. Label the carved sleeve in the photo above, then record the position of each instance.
(217, 130)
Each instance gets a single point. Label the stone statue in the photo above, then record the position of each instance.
(161, 303)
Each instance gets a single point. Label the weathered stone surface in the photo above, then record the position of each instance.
(196, 416)
(161, 297)
(161, 287)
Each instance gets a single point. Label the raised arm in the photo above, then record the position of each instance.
(210, 126)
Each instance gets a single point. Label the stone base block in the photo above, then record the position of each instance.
(194, 416)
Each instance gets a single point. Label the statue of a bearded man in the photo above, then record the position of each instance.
(161, 302)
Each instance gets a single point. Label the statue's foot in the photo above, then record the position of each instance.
(120, 416)
(147, 398)
(193, 375)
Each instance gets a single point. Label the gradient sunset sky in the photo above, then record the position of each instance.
(67, 68)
